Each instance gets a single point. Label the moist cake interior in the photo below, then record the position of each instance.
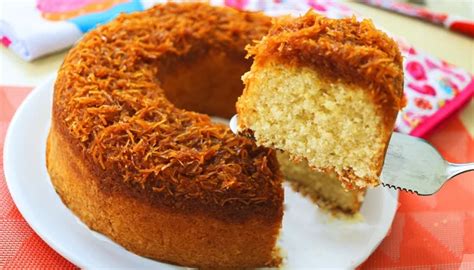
(295, 101)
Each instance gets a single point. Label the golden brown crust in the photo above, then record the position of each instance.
(191, 239)
(341, 50)
(109, 105)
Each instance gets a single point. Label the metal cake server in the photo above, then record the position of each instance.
(411, 164)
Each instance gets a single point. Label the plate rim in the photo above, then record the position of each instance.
(19, 204)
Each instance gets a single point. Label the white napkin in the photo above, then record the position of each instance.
(33, 28)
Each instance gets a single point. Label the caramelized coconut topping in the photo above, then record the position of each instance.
(109, 101)
(341, 49)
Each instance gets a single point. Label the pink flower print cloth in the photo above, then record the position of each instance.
(433, 89)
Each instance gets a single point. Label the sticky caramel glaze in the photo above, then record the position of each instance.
(340, 50)
(130, 156)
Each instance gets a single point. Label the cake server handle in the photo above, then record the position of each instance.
(454, 169)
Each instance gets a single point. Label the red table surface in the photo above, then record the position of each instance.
(434, 232)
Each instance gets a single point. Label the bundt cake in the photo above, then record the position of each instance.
(325, 90)
(133, 155)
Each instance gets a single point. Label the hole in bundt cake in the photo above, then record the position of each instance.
(209, 83)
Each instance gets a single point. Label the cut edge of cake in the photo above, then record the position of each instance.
(286, 104)
(326, 191)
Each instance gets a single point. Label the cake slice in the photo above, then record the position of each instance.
(327, 91)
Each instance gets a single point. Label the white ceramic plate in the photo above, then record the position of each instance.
(309, 239)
